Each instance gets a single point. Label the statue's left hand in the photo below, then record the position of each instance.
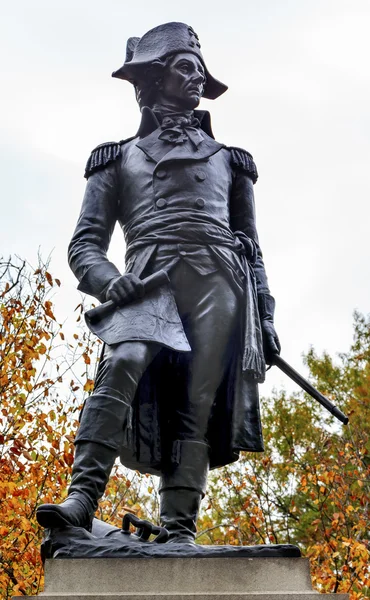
(271, 343)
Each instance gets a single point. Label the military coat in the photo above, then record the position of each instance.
(179, 195)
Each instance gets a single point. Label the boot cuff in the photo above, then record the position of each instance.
(188, 468)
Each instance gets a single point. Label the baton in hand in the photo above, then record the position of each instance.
(307, 387)
(94, 315)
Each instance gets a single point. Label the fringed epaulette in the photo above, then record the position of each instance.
(241, 159)
(101, 156)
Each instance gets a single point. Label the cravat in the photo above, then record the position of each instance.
(179, 129)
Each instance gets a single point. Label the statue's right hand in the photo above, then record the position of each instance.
(125, 288)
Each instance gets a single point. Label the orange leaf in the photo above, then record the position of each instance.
(86, 358)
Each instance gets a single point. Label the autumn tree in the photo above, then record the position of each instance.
(311, 487)
(43, 382)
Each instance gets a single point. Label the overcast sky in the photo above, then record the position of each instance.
(298, 100)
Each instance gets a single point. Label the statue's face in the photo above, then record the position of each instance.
(183, 81)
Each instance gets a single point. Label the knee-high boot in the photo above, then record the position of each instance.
(91, 470)
(182, 488)
(98, 443)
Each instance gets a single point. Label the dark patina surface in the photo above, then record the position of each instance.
(177, 387)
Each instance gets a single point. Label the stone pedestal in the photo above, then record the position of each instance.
(179, 579)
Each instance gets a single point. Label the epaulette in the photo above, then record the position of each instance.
(241, 159)
(102, 155)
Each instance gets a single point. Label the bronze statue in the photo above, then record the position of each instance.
(177, 391)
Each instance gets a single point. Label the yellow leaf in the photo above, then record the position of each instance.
(129, 509)
(89, 385)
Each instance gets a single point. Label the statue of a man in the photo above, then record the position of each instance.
(185, 204)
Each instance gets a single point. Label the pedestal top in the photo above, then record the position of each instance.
(179, 579)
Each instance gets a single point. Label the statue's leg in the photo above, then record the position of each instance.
(105, 418)
(211, 310)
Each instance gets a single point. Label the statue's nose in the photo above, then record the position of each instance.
(198, 77)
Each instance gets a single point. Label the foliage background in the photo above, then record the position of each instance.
(311, 487)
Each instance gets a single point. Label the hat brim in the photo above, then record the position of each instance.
(212, 90)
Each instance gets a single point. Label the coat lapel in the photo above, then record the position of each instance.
(153, 147)
(161, 152)
(186, 151)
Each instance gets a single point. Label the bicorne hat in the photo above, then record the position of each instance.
(170, 38)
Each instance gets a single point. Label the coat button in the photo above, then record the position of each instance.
(200, 176)
(161, 174)
(200, 202)
(161, 203)
(182, 252)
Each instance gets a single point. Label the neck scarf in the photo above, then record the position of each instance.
(177, 128)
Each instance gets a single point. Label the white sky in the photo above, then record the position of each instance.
(298, 100)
